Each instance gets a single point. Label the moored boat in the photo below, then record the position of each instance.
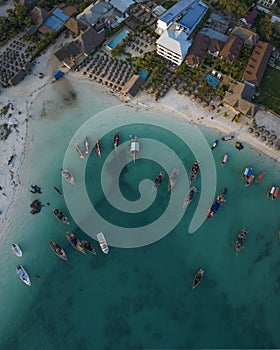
(273, 192)
(88, 247)
(75, 242)
(197, 278)
(79, 151)
(239, 145)
(61, 216)
(227, 137)
(16, 250)
(116, 140)
(247, 172)
(249, 180)
(56, 248)
(67, 176)
(23, 275)
(57, 76)
(214, 144)
(134, 148)
(98, 148)
(215, 206)
(194, 171)
(102, 243)
(239, 244)
(259, 177)
(158, 180)
(172, 178)
(189, 196)
(225, 159)
(87, 145)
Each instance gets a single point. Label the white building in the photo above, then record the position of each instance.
(266, 3)
(173, 44)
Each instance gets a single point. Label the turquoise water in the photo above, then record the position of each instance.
(117, 39)
(212, 80)
(143, 74)
(139, 298)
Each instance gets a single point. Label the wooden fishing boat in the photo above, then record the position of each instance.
(75, 242)
(194, 171)
(259, 177)
(79, 151)
(249, 180)
(239, 244)
(189, 196)
(197, 278)
(88, 247)
(116, 140)
(98, 148)
(61, 216)
(67, 176)
(134, 148)
(87, 145)
(273, 192)
(56, 248)
(158, 180)
(172, 178)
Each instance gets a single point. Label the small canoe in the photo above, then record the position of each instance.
(259, 177)
(67, 176)
(194, 171)
(197, 279)
(189, 196)
(75, 242)
(214, 144)
(116, 140)
(158, 180)
(79, 151)
(225, 159)
(56, 248)
(23, 275)
(16, 250)
(88, 247)
(98, 148)
(172, 178)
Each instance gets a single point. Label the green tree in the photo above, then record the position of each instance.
(237, 8)
(265, 27)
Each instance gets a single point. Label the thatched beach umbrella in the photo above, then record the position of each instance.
(250, 130)
(266, 132)
(256, 133)
(273, 137)
(277, 147)
(263, 138)
(269, 143)
(261, 128)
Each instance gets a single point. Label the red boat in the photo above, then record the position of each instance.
(260, 176)
(249, 180)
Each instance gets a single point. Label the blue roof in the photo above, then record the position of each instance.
(176, 10)
(193, 16)
(54, 23)
(60, 15)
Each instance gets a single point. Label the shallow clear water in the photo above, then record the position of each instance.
(142, 297)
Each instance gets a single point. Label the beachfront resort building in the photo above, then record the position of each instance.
(173, 43)
(257, 63)
(232, 48)
(266, 3)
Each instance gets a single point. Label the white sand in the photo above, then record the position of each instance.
(179, 106)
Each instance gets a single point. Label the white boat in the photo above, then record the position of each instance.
(98, 148)
(134, 148)
(79, 151)
(102, 242)
(23, 275)
(16, 249)
(67, 176)
(172, 178)
(87, 145)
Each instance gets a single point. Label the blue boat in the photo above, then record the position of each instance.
(215, 206)
(214, 144)
(58, 75)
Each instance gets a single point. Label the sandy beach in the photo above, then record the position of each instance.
(22, 96)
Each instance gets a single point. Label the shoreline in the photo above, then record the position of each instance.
(172, 104)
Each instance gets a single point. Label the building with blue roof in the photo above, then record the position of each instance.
(57, 20)
(171, 15)
(191, 19)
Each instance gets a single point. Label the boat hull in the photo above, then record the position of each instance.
(23, 275)
(173, 178)
(102, 243)
(61, 216)
(16, 250)
(194, 171)
(198, 277)
(88, 247)
(239, 244)
(78, 246)
(56, 248)
(67, 176)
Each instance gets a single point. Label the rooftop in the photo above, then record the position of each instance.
(193, 16)
(175, 11)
